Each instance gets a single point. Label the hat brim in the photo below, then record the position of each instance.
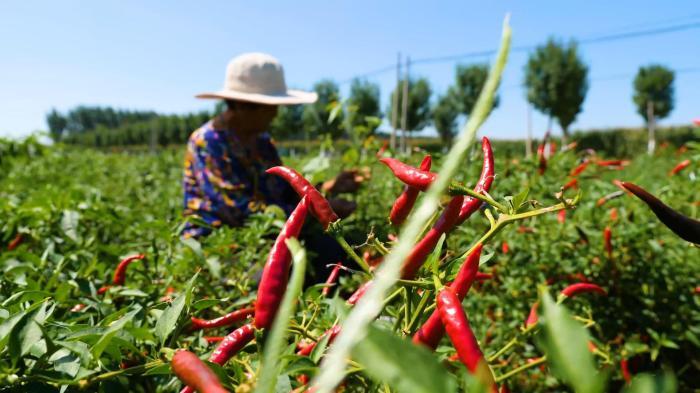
(291, 97)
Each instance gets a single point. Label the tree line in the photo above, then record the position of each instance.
(556, 82)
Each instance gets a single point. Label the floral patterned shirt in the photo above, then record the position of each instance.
(224, 182)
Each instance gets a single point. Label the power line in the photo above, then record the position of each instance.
(526, 48)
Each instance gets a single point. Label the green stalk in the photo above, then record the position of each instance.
(366, 310)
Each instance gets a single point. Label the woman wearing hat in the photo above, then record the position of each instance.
(226, 158)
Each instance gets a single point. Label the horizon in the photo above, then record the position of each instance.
(146, 57)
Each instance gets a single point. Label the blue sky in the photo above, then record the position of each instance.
(157, 55)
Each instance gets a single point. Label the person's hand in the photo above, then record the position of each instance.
(346, 181)
(342, 207)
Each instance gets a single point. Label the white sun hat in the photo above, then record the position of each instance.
(258, 78)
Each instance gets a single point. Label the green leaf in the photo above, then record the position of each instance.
(111, 331)
(69, 224)
(565, 342)
(402, 365)
(268, 381)
(647, 383)
(168, 319)
(520, 199)
(194, 245)
(434, 257)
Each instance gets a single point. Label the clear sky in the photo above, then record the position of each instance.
(157, 54)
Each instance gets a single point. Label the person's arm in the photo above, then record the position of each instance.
(222, 188)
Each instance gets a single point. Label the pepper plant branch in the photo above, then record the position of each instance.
(522, 368)
(348, 250)
(456, 188)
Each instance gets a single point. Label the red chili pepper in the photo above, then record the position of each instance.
(404, 203)
(276, 271)
(462, 337)
(232, 343)
(409, 175)
(425, 246)
(505, 248)
(573, 183)
(612, 162)
(532, 317)
(552, 148)
(580, 168)
(382, 149)
(15, 242)
(332, 333)
(213, 339)
(330, 281)
(193, 372)
(582, 287)
(483, 276)
(359, 293)
(687, 228)
(78, 307)
(624, 369)
(319, 206)
(433, 330)
(471, 205)
(120, 272)
(103, 289)
(226, 320)
(681, 165)
(561, 216)
(607, 238)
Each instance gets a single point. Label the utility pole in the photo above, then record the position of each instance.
(395, 103)
(651, 125)
(404, 111)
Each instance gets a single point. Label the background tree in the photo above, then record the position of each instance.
(653, 95)
(316, 116)
(57, 123)
(362, 109)
(469, 80)
(418, 112)
(288, 123)
(557, 81)
(445, 115)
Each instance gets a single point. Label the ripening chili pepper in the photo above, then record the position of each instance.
(78, 307)
(505, 248)
(573, 183)
(273, 282)
(470, 204)
(330, 281)
(607, 238)
(457, 326)
(319, 206)
(15, 242)
(404, 203)
(409, 175)
(425, 246)
(225, 320)
(194, 373)
(681, 165)
(332, 333)
(580, 168)
(582, 287)
(542, 167)
(604, 199)
(524, 229)
(624, 369)
(687, 228)
(613, 214)
(433, 330)
(532, 316)
(232, 343)
(561, 216)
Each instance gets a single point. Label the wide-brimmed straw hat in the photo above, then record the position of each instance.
(258, 78)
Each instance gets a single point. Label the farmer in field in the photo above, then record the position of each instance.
(224, 177)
